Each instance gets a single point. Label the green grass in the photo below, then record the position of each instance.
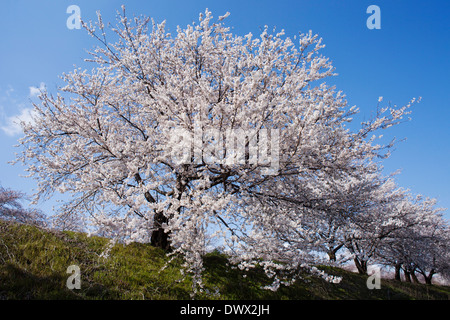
(33, 265)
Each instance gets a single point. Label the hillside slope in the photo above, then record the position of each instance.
(33, 265)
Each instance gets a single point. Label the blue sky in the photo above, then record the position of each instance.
(408, 57)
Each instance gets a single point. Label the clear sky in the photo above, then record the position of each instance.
(408, 57)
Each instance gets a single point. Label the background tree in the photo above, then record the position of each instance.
(420, 245)
(11, 209)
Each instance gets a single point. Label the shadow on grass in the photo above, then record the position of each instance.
(19, 284)
(237, 284)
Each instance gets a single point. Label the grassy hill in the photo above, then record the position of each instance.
(33, 265)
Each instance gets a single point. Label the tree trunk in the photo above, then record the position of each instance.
(160, 238)
(414, 277)
(407, 276)
(429, 276)
(361, 265)
(332, 252)
(332, 255)
(397, 272)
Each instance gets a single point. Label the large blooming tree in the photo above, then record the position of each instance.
(109, 136)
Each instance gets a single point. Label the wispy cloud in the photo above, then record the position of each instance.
(34, 91)
(13, 124)
(9, 91)
(14, 110)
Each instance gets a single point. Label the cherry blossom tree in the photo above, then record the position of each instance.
(111, 138)
(435, 258)
(11, 209)
(422, 247)
(384, 213)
